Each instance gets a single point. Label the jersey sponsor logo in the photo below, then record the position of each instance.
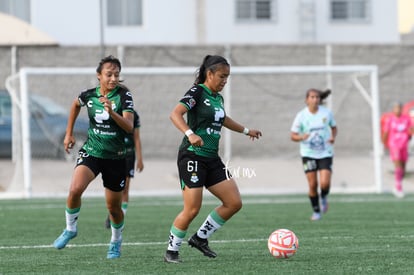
(130, 104)
(211, 131)
(317, 143)
(103, 132)
(219, 114)
(101, 115)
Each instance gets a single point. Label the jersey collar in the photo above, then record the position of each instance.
(98, 88)
(208, 90)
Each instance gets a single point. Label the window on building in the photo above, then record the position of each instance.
(18, 8)
(124, 12)
(255, 10)
(350, 10)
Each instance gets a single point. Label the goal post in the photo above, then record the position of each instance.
(367, 70)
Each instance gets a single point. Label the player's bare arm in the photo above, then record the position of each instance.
(177, 118)
(298, 137)
(235, 126)
(138, 150)
(69, 139)
(333, 136)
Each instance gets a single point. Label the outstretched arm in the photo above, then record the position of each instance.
(235, 126)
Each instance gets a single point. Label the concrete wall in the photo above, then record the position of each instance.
(267, 102)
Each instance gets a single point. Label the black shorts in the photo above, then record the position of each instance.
(312, 165)
(112, 170)
(130, 166)
(197, 171)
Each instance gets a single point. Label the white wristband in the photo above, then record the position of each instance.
(189, 132)
(246, 131)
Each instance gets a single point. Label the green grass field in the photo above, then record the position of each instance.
(361, 234)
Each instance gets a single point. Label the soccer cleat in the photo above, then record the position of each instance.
(202, 245)
(316, 216)
(172, 257)
(324, 205)
(114, 250)
(64, 238)
(107, 223)
(398, 193)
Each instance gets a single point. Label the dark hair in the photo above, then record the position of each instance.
(123, 86)
(210, 63)
(109, 59)
(322, 94)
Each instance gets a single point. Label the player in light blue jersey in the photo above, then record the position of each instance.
(315, 128)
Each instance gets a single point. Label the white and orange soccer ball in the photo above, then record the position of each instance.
(282, 243)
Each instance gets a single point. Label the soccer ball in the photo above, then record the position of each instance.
(282, 243)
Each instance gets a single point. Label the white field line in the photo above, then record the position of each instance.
(124, 244)
(164, 243)
(208, 201)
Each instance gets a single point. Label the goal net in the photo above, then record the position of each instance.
(261, 97)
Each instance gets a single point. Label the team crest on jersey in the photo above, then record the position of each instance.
(194, 177)
(113, 105)
(324, 120)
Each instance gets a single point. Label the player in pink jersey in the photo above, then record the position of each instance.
(397, 133)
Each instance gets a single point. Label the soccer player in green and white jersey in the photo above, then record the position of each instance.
(315, 128)
(110, 111)
(199, 164)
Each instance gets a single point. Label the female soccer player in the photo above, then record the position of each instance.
(315, 128)
(396, 137)
(199, 164)
(110, 111)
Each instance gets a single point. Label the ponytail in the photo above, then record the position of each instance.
(210, 63)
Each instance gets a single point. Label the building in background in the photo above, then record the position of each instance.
(209, 22)
(406, 16)
(406, 20)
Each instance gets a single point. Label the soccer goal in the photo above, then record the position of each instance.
(264, 97)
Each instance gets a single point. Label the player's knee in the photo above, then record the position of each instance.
(116, 214)
(191, 213)
(74, 195)
(236, 205)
